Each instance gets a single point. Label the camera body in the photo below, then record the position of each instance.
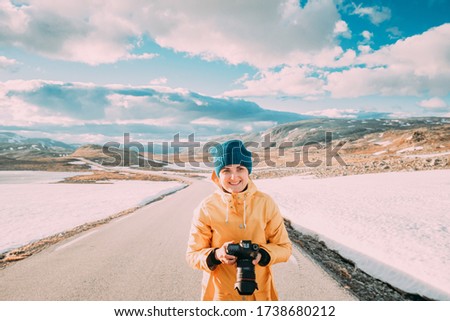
(246, 252)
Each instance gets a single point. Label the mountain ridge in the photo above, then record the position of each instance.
(359, 140)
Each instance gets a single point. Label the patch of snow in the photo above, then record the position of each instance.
(31, 211)
(410, 149)
(427, 155)
(35, 177)
(385, 143)
(394, 226)
(77, 163)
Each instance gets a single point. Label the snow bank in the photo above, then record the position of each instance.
(395, 226)
(38, 177)
(32, 211)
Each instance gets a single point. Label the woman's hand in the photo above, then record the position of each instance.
(222, 256)
(257, 259)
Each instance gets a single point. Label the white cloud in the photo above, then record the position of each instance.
(12, 20)
(96, 32)
(341, 28)
(79, 108)
(307, 81)
(358, 82)
(143, 56)
(335, 113)
(278, 32)
(159, 81)
(207, 121)
(348, 113)
(121, 102)
(433, 103)
(289, 81)
(424, 54)
(367, 35)
(22, 85)
(364, 49)
(92, 32)
(158, 122)
(364, 44)
(413, 66)
(7, 63)
(242, 79)
(394, 32)
(17, 112)
(376, 14)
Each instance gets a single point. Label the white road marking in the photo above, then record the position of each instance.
(76, 240)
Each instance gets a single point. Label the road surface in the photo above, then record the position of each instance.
(141, 256)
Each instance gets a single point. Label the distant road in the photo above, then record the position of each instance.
(141, 256)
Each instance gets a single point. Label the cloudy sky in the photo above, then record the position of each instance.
(90, 70)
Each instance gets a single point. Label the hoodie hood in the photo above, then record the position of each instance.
(235, 200)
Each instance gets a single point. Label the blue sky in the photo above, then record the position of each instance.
(88, 71)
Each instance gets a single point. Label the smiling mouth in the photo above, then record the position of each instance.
(235, 184)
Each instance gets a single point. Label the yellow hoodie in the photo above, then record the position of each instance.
(222, 217)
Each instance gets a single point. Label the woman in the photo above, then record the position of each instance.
(236, 211)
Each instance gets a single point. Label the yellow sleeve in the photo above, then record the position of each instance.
(199, 243)
(278, 244)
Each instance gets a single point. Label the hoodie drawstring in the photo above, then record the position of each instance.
(227, 204)
(245, 214)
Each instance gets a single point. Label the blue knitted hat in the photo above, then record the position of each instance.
(231, 152)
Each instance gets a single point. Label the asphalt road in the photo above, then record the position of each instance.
(141, 256)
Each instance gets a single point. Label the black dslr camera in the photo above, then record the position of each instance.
(245, 252)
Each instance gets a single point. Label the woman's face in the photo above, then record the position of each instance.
(233, 178)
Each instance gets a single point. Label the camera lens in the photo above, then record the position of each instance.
(245, 277)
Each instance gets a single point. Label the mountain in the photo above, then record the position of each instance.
(360, 142)
(19, 147)
(336, 147)
(44, 143)
(314, 131)
(113, 156)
